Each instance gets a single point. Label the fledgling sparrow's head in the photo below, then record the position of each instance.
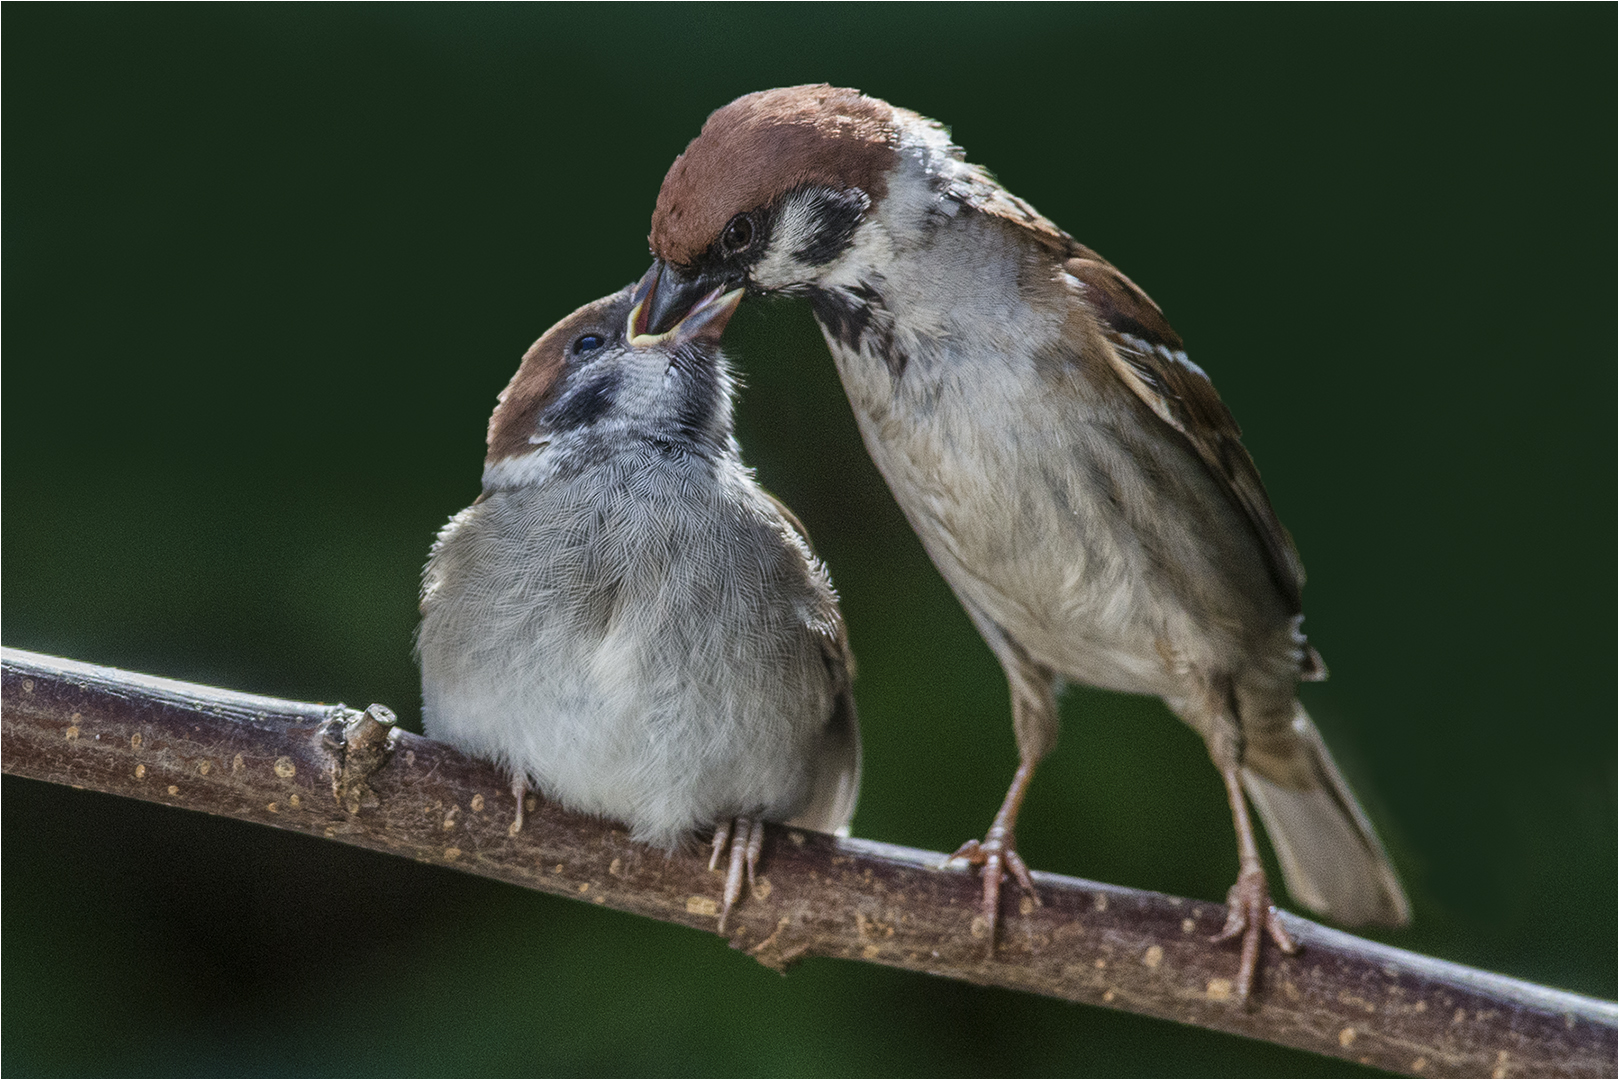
(599, 378)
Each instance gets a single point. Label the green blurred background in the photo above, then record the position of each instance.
(266, 268)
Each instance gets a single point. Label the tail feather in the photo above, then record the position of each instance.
(1331, 859)
(835, 783)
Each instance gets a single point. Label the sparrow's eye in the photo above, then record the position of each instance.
(737, 235)
(587, 343)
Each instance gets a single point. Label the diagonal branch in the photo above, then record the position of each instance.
(329, 771)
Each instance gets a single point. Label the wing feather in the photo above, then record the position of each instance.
(1148, 357)
(836, 772)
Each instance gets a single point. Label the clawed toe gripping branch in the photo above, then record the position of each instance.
(355, 777)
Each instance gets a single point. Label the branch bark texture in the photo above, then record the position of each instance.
(332, 772)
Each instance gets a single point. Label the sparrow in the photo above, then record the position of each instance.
(625, 619)
(1070, 471)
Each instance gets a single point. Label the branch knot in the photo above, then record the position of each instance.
(359, 746)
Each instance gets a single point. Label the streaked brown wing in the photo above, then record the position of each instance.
(1148, 356)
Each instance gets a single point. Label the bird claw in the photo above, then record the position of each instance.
(1251, 916)
(519, 793)
(996, 856)
(746, 839)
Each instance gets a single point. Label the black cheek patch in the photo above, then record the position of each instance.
(584, 406)
(837, 214)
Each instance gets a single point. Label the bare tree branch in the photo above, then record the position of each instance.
(329, 771)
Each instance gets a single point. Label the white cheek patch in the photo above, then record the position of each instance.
(868, 256)
(517, 470)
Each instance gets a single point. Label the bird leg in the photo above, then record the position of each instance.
(519, 792)
(1034, 723)
(1250, 914)
(997, 852)
(746, 837)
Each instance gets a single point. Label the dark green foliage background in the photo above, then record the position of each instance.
(266, 268)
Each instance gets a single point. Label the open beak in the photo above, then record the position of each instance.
(704, 320)
(668, 295)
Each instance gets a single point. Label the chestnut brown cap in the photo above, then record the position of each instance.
(763, 145)
(534, 386)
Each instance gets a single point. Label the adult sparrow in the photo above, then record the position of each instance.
(1073, 475)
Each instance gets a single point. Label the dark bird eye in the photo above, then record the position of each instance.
(738, 234)
(587, 343)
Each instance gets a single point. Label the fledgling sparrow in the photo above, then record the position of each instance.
(624, 619)
(1073, 475)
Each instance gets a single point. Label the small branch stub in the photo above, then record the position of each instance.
(361, 747)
